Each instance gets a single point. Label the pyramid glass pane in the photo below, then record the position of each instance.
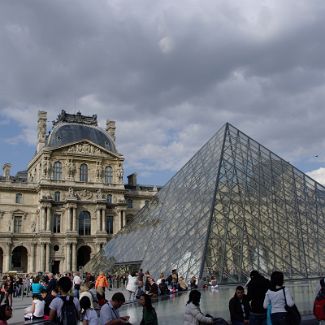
(234, 207)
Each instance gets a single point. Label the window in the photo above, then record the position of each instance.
(83, 173)
(19, 198)
(56, 223)
(109, 198)
(84, 223)
(57, 171)
(109, 224)
(108, 175)
(18, 220)
(129, 203)
(57, 196)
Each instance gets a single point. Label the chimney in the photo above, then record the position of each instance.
(132, 179)
(41, 130)
(6, 171)
(110, 128)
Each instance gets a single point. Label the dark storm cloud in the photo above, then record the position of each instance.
(171, 73)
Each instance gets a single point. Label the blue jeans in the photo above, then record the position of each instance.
(76, 293)
(257, 319)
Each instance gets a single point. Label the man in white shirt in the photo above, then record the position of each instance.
(76, 284)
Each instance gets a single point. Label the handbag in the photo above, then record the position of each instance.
(293, 316)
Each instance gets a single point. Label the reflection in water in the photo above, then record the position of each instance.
(215, 302)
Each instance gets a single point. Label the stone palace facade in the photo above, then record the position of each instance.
(69, 202)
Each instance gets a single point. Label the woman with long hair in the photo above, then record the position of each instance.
(88, 314)
(193, 314)
(278, 295)
(149, 316)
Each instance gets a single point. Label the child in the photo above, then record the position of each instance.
(88, 314)
(36, 311)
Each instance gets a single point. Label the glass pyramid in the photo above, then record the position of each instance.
(234, 207)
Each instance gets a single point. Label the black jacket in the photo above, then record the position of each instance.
(256, 290)
(236, 309)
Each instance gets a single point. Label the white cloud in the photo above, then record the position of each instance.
(318, 175)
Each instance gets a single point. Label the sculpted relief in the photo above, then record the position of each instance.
(85, 148)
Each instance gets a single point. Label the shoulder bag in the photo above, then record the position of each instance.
(293, 316)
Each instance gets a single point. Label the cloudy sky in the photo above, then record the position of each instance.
(170, 73)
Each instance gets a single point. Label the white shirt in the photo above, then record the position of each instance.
(276, 298)
(39, 307)
(91, 316)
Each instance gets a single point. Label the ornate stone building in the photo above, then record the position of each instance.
(60, 212)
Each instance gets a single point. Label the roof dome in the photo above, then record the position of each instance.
(65, 133)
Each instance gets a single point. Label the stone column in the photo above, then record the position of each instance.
(41, 252)
(68, 257)
(32, 258)
(74, 219)
(7, 259)
(48, 219)
(98, 219)
(47, 257)
(103, 220)
(74, 257)
(68, 228)
(42, 218)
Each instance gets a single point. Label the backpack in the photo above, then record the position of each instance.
(319, 306)
(69, 313)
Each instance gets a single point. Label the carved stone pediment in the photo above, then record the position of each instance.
(84, 148)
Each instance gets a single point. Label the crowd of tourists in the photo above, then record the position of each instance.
(69, 299)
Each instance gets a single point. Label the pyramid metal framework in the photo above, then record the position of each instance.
(234, 207)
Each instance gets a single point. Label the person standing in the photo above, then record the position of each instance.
(278, 295)
(256, 290)
(101, 284)
(76, 284)
(132, 286)
(239, 307)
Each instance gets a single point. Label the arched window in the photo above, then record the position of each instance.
(84, 223)
(109, 224)
(19, 198)
(57, 171)
(83, 173)
(108, 175)
(109, 198)
(57, 196)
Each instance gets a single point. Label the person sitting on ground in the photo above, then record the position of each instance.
(193, 314)
(149, 316)
(193, 282)
(5, 314)
(163, 287)
(109, 314)
(64, 286)
(153, 288)
(47, 298)
(88, 314)
(161, 277)
(239, 307)
(182, 285)
(213, 282)
(37, 309)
